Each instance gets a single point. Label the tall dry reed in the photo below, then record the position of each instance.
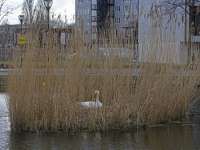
(44, 92)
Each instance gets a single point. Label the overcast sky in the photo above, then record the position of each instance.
(65, 7)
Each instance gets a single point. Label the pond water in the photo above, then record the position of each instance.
(185, 137)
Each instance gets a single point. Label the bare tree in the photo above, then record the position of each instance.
(170, 6)
(4, 33)
(34, 14)
(189, 7)
(41, 9)
(28, 10)
(40, 13)
(6, 8)
(40, 4)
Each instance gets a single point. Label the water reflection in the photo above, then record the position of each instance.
(166, 137)
(4, 123)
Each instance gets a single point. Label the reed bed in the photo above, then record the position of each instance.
(44, 92)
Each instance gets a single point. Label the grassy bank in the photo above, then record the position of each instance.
(47, 101)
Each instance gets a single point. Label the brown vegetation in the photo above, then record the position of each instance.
(45, 99)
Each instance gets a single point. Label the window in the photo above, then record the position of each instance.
(79, 22)
(87, 22)
(94, 13)
(94, 23)
(86, 32)
(94, 36)
(126, 1)
(94, 6)
(94, 18)
(80, 13)
(94, 1)
(194, 21)
(79, 1)
(77, 14)
(87, 11)
(110, 1)
(117, 8)
(94, 29)
(125, 22)
(126, 9)
(63, 41)
(135, 6)
(117, 20)
(87, 1)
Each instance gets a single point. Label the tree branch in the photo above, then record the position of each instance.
(8, 11)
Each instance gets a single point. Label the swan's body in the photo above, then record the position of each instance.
(92, 104)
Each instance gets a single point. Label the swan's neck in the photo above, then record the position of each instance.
(97, 98)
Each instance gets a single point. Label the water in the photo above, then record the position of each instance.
(185, 137)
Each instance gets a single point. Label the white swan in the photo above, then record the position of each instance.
(92, 104)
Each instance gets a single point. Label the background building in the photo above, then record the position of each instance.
(93, 16)
(170, 32)
(6, 35)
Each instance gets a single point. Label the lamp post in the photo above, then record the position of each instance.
(21, 19)
(48, 4)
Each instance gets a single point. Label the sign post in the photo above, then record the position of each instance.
(21, 41)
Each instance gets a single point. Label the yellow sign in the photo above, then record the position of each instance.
(21, 39)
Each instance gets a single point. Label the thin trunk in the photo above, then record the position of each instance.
(190, 33)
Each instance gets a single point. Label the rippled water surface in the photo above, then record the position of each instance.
(186, 137)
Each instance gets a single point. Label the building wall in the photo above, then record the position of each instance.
(83, 13)
(6, 35)
(125, 14)
(168, 32)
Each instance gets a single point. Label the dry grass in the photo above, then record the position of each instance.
(45, 99)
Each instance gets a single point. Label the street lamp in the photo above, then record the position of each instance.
(48, 4)
(21, 18)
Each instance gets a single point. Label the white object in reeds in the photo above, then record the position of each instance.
(97, 103)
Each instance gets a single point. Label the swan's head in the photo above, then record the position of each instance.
(96, 92)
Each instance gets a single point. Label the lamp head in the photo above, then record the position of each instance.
(48, 3)
(21, 17)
